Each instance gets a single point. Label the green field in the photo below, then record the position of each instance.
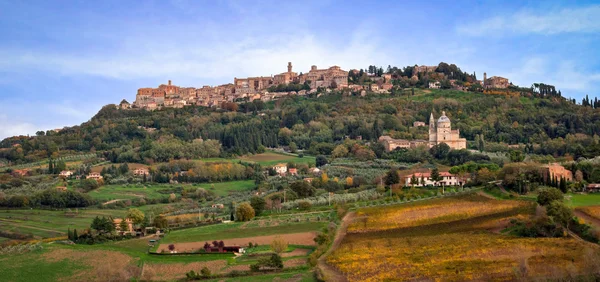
(132, 191)
(48, 224)
(232, 230)
(273, 158)
(224, 188)
(580, 200)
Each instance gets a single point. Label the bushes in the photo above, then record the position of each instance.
(304, 205)
(272, 262)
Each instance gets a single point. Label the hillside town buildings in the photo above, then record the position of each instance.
(440, 131)
(261, 88)
(242, 89)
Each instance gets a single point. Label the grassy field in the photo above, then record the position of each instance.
(272, 158)
(580, 200)
(225, 188)
(49, 224)
(133, 191)
(233, 230)
(462, 248)
(159, 191)
(120, 261)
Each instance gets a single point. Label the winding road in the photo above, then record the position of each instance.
(329, 272)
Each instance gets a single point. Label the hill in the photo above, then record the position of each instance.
(548, 126)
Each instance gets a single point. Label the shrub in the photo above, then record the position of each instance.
(548, 195)
(244, 212)
(279, 245)
(304, 205)
(205, 272)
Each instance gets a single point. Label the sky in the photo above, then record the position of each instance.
(61, 61)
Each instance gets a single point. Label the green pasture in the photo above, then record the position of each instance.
(233, 230)
(225, 188)
(48, 224)
(580, 200)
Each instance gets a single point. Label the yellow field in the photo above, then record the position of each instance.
(462, 256)
(435, 211)
(456, 239)
(593, 211)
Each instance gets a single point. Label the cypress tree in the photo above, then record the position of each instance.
(70, 234)
(75, 237)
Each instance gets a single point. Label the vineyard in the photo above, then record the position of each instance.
(462, 256)
(66, 159)
(593, 211)
(457, 238)
(436, 211)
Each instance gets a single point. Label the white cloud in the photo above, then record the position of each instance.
(564, 74)
(10, 127)
(566, 20)
(199, 59)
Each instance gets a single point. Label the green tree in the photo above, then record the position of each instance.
(123, 226)
(435, 175)
(244, 212)
(303, 189)
(560, 212)
(321, 161)
(391, 177)
(549, 195)
(136, 216)
(293, 147)
(258, 204)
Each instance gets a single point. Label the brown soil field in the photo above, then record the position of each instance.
(305, 238)
(267, 157)
(296, 253)
(175, 271)
(105, 265)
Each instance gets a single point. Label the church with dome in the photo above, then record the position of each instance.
(440, 131)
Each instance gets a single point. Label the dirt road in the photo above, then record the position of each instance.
(329, 272)
(588, 219)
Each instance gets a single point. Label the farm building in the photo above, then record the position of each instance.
(424, 179)
(594, 187)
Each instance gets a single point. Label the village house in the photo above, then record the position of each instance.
(314, 170)
(61, 188)
(593, 187)
(556, 171)
(218, 206)
(391, 144)
(293, 171)
(424, 179)
(280, 169)
(21, 172)
(94, 175)
(65, 173)
(141, 171)
(418, 124)
(435, 85)
(117, 223)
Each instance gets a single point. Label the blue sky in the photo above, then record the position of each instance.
(61, 61)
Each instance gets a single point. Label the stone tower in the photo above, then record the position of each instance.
(484, 78)
(432, 130)
(169, 82)
(290, 67)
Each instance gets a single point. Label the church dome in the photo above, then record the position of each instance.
(443, 118)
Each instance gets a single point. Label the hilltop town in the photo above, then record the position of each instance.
(266, 88)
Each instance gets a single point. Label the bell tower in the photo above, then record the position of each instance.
(432, 130)
(289, 67)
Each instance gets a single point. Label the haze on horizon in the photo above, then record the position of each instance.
(61, 62)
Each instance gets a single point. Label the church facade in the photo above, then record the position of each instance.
(440, 131)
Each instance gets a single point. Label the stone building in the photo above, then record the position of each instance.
(441, 132)
(391, 144)
(325, 77)
(495, 82)
(556, 171)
